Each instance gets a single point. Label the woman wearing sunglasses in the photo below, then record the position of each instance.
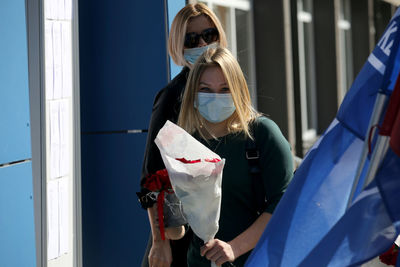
(217, 110)
(194, 29)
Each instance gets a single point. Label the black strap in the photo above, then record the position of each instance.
(144, 198)
(253, 159)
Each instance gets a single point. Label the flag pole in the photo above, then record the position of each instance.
(382, 145)
(379, 106)
(385, 133)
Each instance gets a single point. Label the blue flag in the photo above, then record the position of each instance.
(310, 226)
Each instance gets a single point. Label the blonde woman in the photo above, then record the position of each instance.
(194, 29)
(217, 110)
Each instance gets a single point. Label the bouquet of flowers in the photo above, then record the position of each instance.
(196, 176)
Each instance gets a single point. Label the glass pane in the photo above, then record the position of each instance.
(307, 72)
(307, 5)
(310, 77)
(235, 18)
(243, 44)
(223, 15)
(345, 48)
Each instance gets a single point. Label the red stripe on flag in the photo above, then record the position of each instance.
(395, 136)
(391, 123)
(392, 110)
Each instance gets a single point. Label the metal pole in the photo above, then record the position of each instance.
(379, 105)
(382, 146)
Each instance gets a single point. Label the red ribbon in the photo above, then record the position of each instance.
(160, 209)
(159, 182)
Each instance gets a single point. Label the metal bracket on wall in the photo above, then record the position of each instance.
(14, 162)
(118, 132)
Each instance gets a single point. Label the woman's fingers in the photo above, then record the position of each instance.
(219, 258)
(213, 251)
(207, 246)
(217, 251)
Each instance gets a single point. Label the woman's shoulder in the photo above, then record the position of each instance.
(264, 123)
(170, 95)
(266, 127)
(267, 134)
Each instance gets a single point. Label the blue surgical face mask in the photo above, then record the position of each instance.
(215, 107)
(192, 54)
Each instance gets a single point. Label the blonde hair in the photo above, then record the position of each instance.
(190, 118)
(178, 30)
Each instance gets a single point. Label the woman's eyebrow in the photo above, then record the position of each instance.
(204, 83)
(207, 84)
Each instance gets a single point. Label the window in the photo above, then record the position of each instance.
(307, 72)
(345, 62)
(236, 19)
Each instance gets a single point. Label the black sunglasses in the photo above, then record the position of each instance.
(209, 36)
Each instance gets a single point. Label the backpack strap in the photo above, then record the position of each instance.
(253, 159)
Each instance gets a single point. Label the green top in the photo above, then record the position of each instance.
(238, 204)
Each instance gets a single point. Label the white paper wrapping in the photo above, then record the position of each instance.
(197, 185)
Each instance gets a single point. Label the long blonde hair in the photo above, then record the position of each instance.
(178, 30)
(189, 117)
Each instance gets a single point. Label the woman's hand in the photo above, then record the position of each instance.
(218, 251)
(160, 254)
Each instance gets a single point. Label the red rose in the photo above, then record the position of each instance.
(196, 160)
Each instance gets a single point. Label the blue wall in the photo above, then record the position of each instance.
(123, 64)
(14, 92)
(17, 233)
(17, 236)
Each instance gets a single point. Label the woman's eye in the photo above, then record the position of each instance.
(225, 90)
(204, 89)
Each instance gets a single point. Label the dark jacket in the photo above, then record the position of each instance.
(166, 106)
